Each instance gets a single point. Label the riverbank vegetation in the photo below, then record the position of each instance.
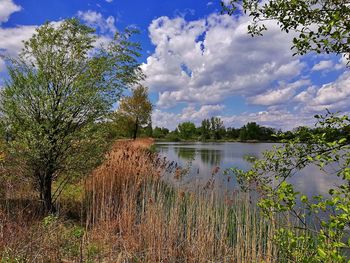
(124, 212)
(71, 192)
(212, 129)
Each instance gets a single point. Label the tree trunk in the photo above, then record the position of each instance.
(136, 128)
(45, 193)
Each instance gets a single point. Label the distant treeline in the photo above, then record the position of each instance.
(213, 129)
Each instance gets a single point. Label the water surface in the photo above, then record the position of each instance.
(201, 160)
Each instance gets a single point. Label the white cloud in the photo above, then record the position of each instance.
(281, 95)
(206, 60)
(333, 96)
(306, 95)
(2, 65)
(11, 41)
(271, 118)
(343, 62)
(95, 19)
(7, 7)
(323, 65)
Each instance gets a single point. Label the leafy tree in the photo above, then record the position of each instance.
(205, 129)
(321, 25)
(253, 131)
(157, 132)
(149, 130)
(122, 126)
(173, 136)
(217, 128)
(60, 86)
(160, 132)
(186, 130)
(136, 109)
(320, 225)
(267, 134)
(232, 133)
(250, 131)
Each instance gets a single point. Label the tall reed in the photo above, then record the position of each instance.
(143, 219)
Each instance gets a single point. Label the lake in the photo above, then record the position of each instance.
(202, 159)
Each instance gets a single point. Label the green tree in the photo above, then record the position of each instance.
(250, 131)
(160, 132)
(217, 128)
(232, 133)
(186, 130)
(136, 109)
(149, 130)
(157, 132)
(205, 129)
(59, 87)
(321, 25)
(253, 131)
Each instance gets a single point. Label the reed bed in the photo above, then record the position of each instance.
(140, 218)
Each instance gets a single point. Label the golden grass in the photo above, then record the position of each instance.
(149, 221)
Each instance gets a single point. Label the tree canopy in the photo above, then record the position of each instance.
(136, 110)
(186, 129)
(59, 88)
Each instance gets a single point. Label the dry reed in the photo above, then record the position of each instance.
(142, 219)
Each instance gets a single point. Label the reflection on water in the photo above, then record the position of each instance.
(211, 156)
(185, 153)
(201, 159)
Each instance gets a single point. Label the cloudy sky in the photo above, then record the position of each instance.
(200, 63)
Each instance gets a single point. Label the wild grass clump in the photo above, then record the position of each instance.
(128, 166)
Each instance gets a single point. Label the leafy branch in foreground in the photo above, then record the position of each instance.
(320, 25)
(318, 228)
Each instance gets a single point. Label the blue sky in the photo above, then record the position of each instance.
(200, 63)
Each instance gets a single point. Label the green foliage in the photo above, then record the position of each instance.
(172, 137)
(160, 132)
(232, 133)
(187, 130)
(321, 25)
(212, 128)
(320, 223)
(60, 86)
(253, 131)
(217, 128)
(205, 129)
(148, 130)
(50, 220)
(136, 110)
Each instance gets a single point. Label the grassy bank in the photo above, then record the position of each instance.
(124, 212)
